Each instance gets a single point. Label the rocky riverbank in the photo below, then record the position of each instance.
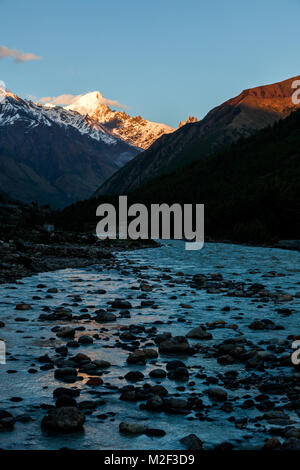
(20, 259)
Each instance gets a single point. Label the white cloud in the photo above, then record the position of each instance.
(18, 56)
(61, 100)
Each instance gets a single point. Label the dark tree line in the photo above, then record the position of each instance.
(251, 190)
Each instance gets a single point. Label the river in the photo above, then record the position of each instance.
(177, 308)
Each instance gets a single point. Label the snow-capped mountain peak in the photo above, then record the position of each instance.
(54, 155)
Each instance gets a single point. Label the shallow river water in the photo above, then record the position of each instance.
(27, 340)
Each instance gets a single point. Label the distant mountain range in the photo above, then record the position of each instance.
(52, 155)
(134, 130)
(238, 117)
(59, 155)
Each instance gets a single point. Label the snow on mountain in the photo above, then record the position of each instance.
(53, 155)
(134, 130)
(84, 124)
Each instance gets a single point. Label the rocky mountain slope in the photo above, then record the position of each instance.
(134, 130)
(250, 190)
(52, 155)
(238, 117)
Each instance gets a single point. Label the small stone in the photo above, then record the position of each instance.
(171, 365)
(177, 344)
(271, 444)
(154, 403)
(134, 376)
(181, 373)
(65, 419)
(94, 381)
(158, 374)
(122, 304)
(85, 339)
(199, 333)
(65, 391)
(155, 432)
(100, 364)
(218, 394)
(23, 306)
(132, 428)
(192, 442)
(105, 317)
(65, 373)
(65, 400)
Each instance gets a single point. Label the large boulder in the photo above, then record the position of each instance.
(181, 373)
(62, 391)
(289, 244)
(154, 403)
(7, 421)
(105, 317)
(66, 374)
(122, 304)
(66, 332)
(132, 428)
(158, 373)
(23, 306)
(140, 356)
(199, 280)
(85, 339)
(176, 405)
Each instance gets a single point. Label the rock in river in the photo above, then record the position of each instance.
(66, 332)
(23, 306)
(177, 344)
(132, 428)
(218, 394)
(192, 442)
(6, 420)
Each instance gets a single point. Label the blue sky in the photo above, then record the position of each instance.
(163, 59)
